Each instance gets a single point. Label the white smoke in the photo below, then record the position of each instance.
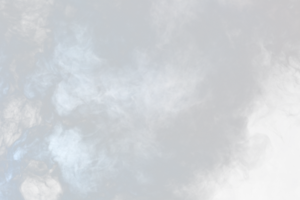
(137, 99)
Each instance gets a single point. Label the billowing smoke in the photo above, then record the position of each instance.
(166, 99)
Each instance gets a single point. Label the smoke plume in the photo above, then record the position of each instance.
(156, 100)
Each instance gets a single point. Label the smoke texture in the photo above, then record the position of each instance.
(170, 99)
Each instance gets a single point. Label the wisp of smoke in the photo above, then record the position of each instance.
(147, 100)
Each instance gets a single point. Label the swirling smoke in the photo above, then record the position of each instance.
(146, 99)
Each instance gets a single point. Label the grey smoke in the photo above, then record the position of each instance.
(136, 99)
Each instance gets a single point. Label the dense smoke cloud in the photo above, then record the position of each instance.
(166, 99)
